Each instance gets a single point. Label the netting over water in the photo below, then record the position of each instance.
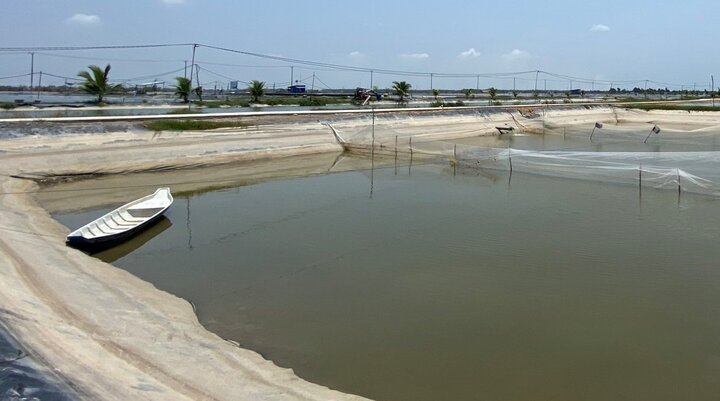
(661, 160)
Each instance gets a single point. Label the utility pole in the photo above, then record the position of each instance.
(545, 84)
(292, 72)
(192, 67)
(371, 79)
(39, 85)
(513, 84)
(312, 87)
(32, 69)
(431, 81)
(712, 89)
(477, 83)
(185, 69)
(537, 72)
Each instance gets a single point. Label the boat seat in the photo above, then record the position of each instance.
(118, 220)
(144, 213)
(125, 215)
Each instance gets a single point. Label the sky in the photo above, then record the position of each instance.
(668, 42)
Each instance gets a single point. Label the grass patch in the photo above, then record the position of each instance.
(308, 101)
(184, 111)
(7, 105)
(228, 103)
(440, 103)
(681, 107)
(190, 125)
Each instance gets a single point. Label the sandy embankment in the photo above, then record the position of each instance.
(112, 336)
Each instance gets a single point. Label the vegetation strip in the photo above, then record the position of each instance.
(190, 125)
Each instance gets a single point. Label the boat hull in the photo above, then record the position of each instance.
(98, 244)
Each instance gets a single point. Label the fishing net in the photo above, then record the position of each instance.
(660, 163)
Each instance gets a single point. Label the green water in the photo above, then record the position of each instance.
(420, 285)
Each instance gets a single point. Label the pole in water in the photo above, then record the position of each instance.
(454, 159)
(640, 178)
(655, 130)
(411, 156)
(678, 177)
(373, 127)
(396, 150)
(597, 125)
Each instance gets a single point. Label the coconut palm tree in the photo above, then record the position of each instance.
(97, 84)
(493, 93)
(401, 89)
(436, 93)
(467, 92)
(182, 88)
(256, 89)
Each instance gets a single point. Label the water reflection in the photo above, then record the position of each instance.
(136, 242)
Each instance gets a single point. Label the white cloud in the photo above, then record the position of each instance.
(356, 54)
(599, 28)
(516, 54)
(471, 52)
(83, 19)
(172, 1)
(415, 56)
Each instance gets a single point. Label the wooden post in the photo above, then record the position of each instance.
(396, 152)
(411, 156)
(455, 159)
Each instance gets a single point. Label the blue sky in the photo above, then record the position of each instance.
(665, 41)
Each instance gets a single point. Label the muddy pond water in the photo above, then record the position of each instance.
(425, 283)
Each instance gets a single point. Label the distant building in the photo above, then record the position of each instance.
(296, 88)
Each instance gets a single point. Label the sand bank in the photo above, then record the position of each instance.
(111, 336)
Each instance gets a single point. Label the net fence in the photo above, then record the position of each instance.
(660, 163)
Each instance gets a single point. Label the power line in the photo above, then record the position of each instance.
(109, 59)
(68, 48)
(16, 76)
(317, 65)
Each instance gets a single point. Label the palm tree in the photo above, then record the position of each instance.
(436, 93)
(199, 92)
(493, 93)
(467, 92)
(97, 84)
(256, 89)
(182, 88)
(401, 89)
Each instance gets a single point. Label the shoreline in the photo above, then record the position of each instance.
(116, 337)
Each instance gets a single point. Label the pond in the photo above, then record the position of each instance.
(426, 282)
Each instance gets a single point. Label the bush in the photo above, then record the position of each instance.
(190, 125)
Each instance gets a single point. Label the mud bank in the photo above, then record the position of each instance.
(116, 337)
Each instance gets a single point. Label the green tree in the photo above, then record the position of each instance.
(493, 93)
(256, 89)
(199, 92)
(467, 92)
(435, 93)
(97, 83)
(182, 88)
(401, 89)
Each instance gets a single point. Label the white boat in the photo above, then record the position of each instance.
(123, 222)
